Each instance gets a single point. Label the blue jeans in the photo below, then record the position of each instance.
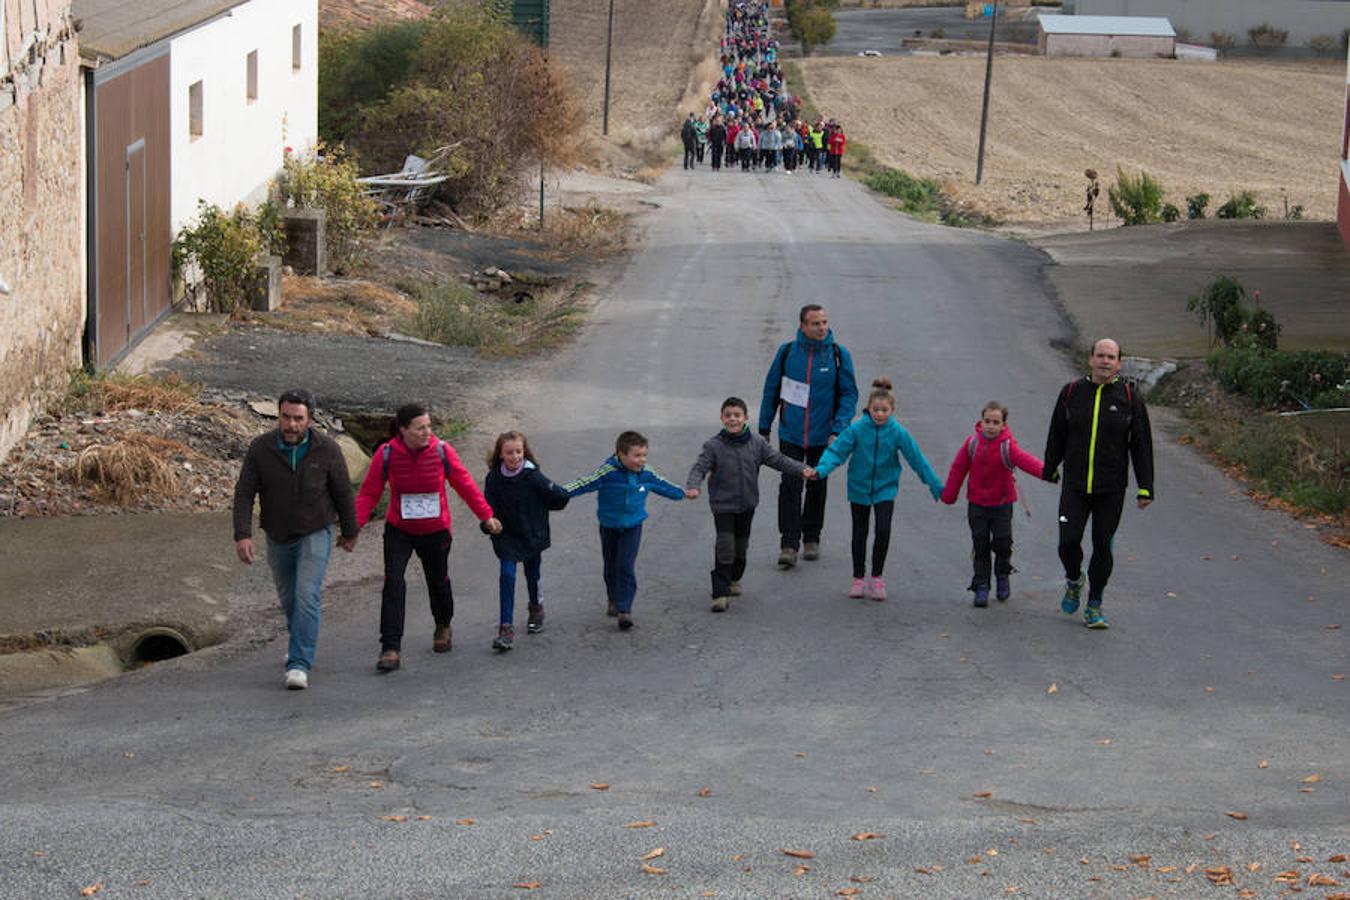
(619, 547)
(507, 584)
(298, 568)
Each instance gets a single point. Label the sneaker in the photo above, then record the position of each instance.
(625, 621)
(535, 624)
(787, 558)
(440, 639)
(503, 641)
(1002, 588)
(1093, 618)
(388, 661)
(982, 595)
(877, 589)
(811, 550)
(720, 604)
(856, 591)
(1073, 595)
(611, 610)
(735, 589)
(296, 679)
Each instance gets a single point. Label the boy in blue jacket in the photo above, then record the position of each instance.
(623, 482)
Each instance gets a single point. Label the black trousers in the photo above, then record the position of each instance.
(800, 520)
(861, 516)
(689, 154)
(1075, 508)
(699, 150)
(717, 157)
(832, 162)
(733, 541)
(434, 552)
(990, 529)
(747, 156)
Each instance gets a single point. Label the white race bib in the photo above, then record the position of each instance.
(420, 506)
(795, 392)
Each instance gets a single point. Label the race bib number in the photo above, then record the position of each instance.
(795, 392)
(420, 506)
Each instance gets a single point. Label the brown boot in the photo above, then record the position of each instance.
(440, 640)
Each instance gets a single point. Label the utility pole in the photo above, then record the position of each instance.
(984, 109)
(609, 46)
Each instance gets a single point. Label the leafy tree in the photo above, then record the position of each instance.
(1136, 200)
(810, 22)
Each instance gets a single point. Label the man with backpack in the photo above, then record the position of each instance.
(811, 383)
(1099, 429)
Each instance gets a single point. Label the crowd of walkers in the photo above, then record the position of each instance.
(751, 118)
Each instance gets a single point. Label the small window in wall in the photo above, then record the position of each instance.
(253, 75)
(195, 109)
(296, 43)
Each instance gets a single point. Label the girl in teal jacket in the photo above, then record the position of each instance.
(875, 442)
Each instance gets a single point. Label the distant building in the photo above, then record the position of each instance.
(41, 218)
(183, 101)
(1343, 205)
(1137, 37)
(1303, 19)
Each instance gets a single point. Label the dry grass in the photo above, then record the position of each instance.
(127, 470)
(1215, 128)
(117, 393)
(338, 306)
(593, 229)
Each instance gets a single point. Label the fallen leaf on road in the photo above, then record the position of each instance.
(871, 790)
(1295, 846)
(653, 854)
(600, 786)
(130, 754)
(868, 836)
(801, 869)
(1319, 880)
(394, 818)
(1028, 821)
(975, 860)
(738, 857)
(1333, 628)
(800, 854)
(1172, 594)
(1312, 779)
(1053, 688)
(1209, 690)
(527, 885)
(1263, 764)
(800, 755)
(1141, 859)
(645, 823)
(705, 792)
(1303, 859)
(541, 835)
(981, 795)
(1209, 837)
(91, 890)
(376, 785)
(1338, 858)
(848, 892)
(1085, 861)
(424, 818)
(1287, 877)
(464, 821)
(1165, 869)
(922, 870)
(1190, 869)
(1240, 816)
(1337, 677)
(649, 869)
(1253, 867)
(1105, 742)
(863, 879)
(338, 770)
(1305, 790)
(1220, 875)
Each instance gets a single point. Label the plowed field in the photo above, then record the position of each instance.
(1217, 128)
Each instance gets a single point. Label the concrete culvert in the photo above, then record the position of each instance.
(156, 645)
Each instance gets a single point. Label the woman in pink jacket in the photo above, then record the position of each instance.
(417, 465)
(989, 457)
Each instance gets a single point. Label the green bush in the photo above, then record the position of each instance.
(1315, 379)
(325, 178)
(1136, 200)
(358, 69)
(1241, 205)
(916, 195)
(1196, 204)
(451, 314)
(219, 252)
(1219, 308)
(1170, 213)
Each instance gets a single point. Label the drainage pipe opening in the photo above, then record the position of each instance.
(156, 645)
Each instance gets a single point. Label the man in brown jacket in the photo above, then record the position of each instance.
(302, 480)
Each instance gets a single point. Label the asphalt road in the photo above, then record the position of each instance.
(992, 750)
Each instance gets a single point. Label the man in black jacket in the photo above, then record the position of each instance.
(689, 136)
(302, 480)
(717, 137)
(1098, 429)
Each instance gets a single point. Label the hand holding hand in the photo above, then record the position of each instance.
(810, 474)
(347, 543)
(243, 548)
(691, 493)
(1051, 475)
(494, 525)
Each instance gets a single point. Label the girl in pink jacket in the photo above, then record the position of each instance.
(989, 457)
(417, 465)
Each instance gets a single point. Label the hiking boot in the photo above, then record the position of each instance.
(982, 595)
(855, 591)
(811, 550)
(720, 604)
(296, 679)
(787, 558)
(535, 623)
(625, 621)
(1073, 595)
(388, 661)
(440, 639)
(735, 590)
(506, 635)
(877, 589)
(611, 610)
(1002, 588)
(1093, 618)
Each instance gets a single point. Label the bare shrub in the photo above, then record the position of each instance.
(1267, 37)
(124, 471)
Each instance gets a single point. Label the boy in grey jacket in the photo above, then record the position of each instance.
(731, 460)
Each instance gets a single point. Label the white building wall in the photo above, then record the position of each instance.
(243, 140)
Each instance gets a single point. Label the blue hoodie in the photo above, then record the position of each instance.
(833, 395)
(874, 471)
(622, 500)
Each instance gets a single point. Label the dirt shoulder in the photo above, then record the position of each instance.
(1216, 128)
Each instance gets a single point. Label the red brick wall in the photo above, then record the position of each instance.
(1343, 212)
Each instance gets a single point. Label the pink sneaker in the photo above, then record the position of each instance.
(856, 592)
(877, 589)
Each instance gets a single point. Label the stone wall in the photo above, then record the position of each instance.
(41, 216)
